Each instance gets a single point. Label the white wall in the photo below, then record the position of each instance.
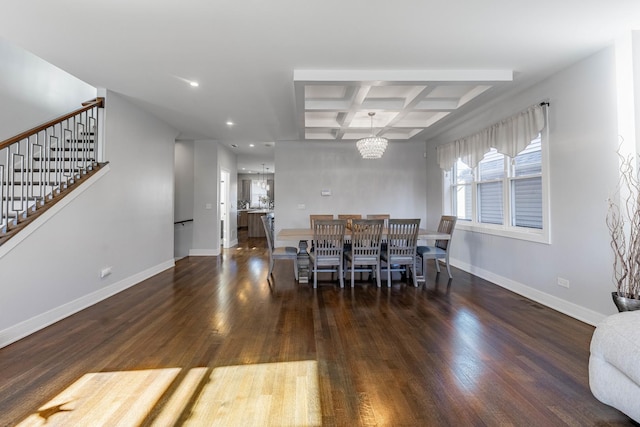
(183, 200)
(210, 158)
(583, 172)
(229, 161)
(32, 91)
(125, 220)
(394, 184)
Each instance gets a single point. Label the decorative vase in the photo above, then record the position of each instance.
(625, 304)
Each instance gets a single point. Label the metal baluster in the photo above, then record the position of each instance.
(3, 223)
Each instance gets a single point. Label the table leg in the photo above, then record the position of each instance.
(303, 262)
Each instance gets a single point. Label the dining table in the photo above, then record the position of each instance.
(304, 235)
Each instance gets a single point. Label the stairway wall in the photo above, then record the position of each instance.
(124, 221)
(32, 91)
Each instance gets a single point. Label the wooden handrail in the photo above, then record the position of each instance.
(98, 102)
(183, 221)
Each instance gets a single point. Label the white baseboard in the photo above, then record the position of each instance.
(41, 321)
(563, 306)
(204, 252)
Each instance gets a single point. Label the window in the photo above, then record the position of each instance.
(502, 195)
(462, 202)
(258, 193)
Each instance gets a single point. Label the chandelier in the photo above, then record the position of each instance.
(372, 147)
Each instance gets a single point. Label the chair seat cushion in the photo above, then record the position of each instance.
(430, 251)
(326, 260)
(285, 251)
(397, 259)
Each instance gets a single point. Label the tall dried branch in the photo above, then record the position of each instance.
(623, 221)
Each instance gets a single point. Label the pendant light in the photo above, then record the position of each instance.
(372, 147)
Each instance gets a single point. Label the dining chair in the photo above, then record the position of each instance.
(385, 217)
(328, 241)
(312, 219)
(402, 241)
(282, 252)
(440, 250)
(366, 237)
(349, 218)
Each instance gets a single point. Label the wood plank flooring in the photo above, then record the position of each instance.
(211, 342)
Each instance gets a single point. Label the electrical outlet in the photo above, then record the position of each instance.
(563, 282)
(301, 206)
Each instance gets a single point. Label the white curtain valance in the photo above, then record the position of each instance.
(509, 137)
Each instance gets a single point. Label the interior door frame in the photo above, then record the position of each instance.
(224, 208)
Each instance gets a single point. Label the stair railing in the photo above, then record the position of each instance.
(39, 164)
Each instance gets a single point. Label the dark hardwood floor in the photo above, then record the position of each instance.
(471, 354)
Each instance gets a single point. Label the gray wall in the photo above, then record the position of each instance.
(394, 184)
(183, 201)
(228, 161)
(210, 158)
(32, 91)
(124, 221)
(583, 172)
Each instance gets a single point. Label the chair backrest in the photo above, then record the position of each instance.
(328, 237)
(312, 219)
(447, 224)
(385, 217)
(349, 218)
(267, 222)
(366, 237)
(402, 237)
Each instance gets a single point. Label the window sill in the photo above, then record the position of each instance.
(537, 236)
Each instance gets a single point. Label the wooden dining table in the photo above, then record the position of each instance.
(304, 235)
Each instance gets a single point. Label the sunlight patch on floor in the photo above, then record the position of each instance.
(282, 394)
(105, 398)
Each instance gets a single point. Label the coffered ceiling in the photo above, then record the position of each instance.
(335, 105)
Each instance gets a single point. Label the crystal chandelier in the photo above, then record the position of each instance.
(372, 147)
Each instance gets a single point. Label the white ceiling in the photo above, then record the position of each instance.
(245, 55)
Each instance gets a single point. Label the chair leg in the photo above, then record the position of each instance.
(389, 275)
(448, 268)
(271, 263)
(353, 273)
(378, 274)
(341, 273)
(437, 265)
(295, 268)
(315, 276)
(414, 274)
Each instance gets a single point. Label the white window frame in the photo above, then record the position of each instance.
(505, 230)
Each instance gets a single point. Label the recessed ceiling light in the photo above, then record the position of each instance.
(194, 84)
(252, 145)
(229, 123)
